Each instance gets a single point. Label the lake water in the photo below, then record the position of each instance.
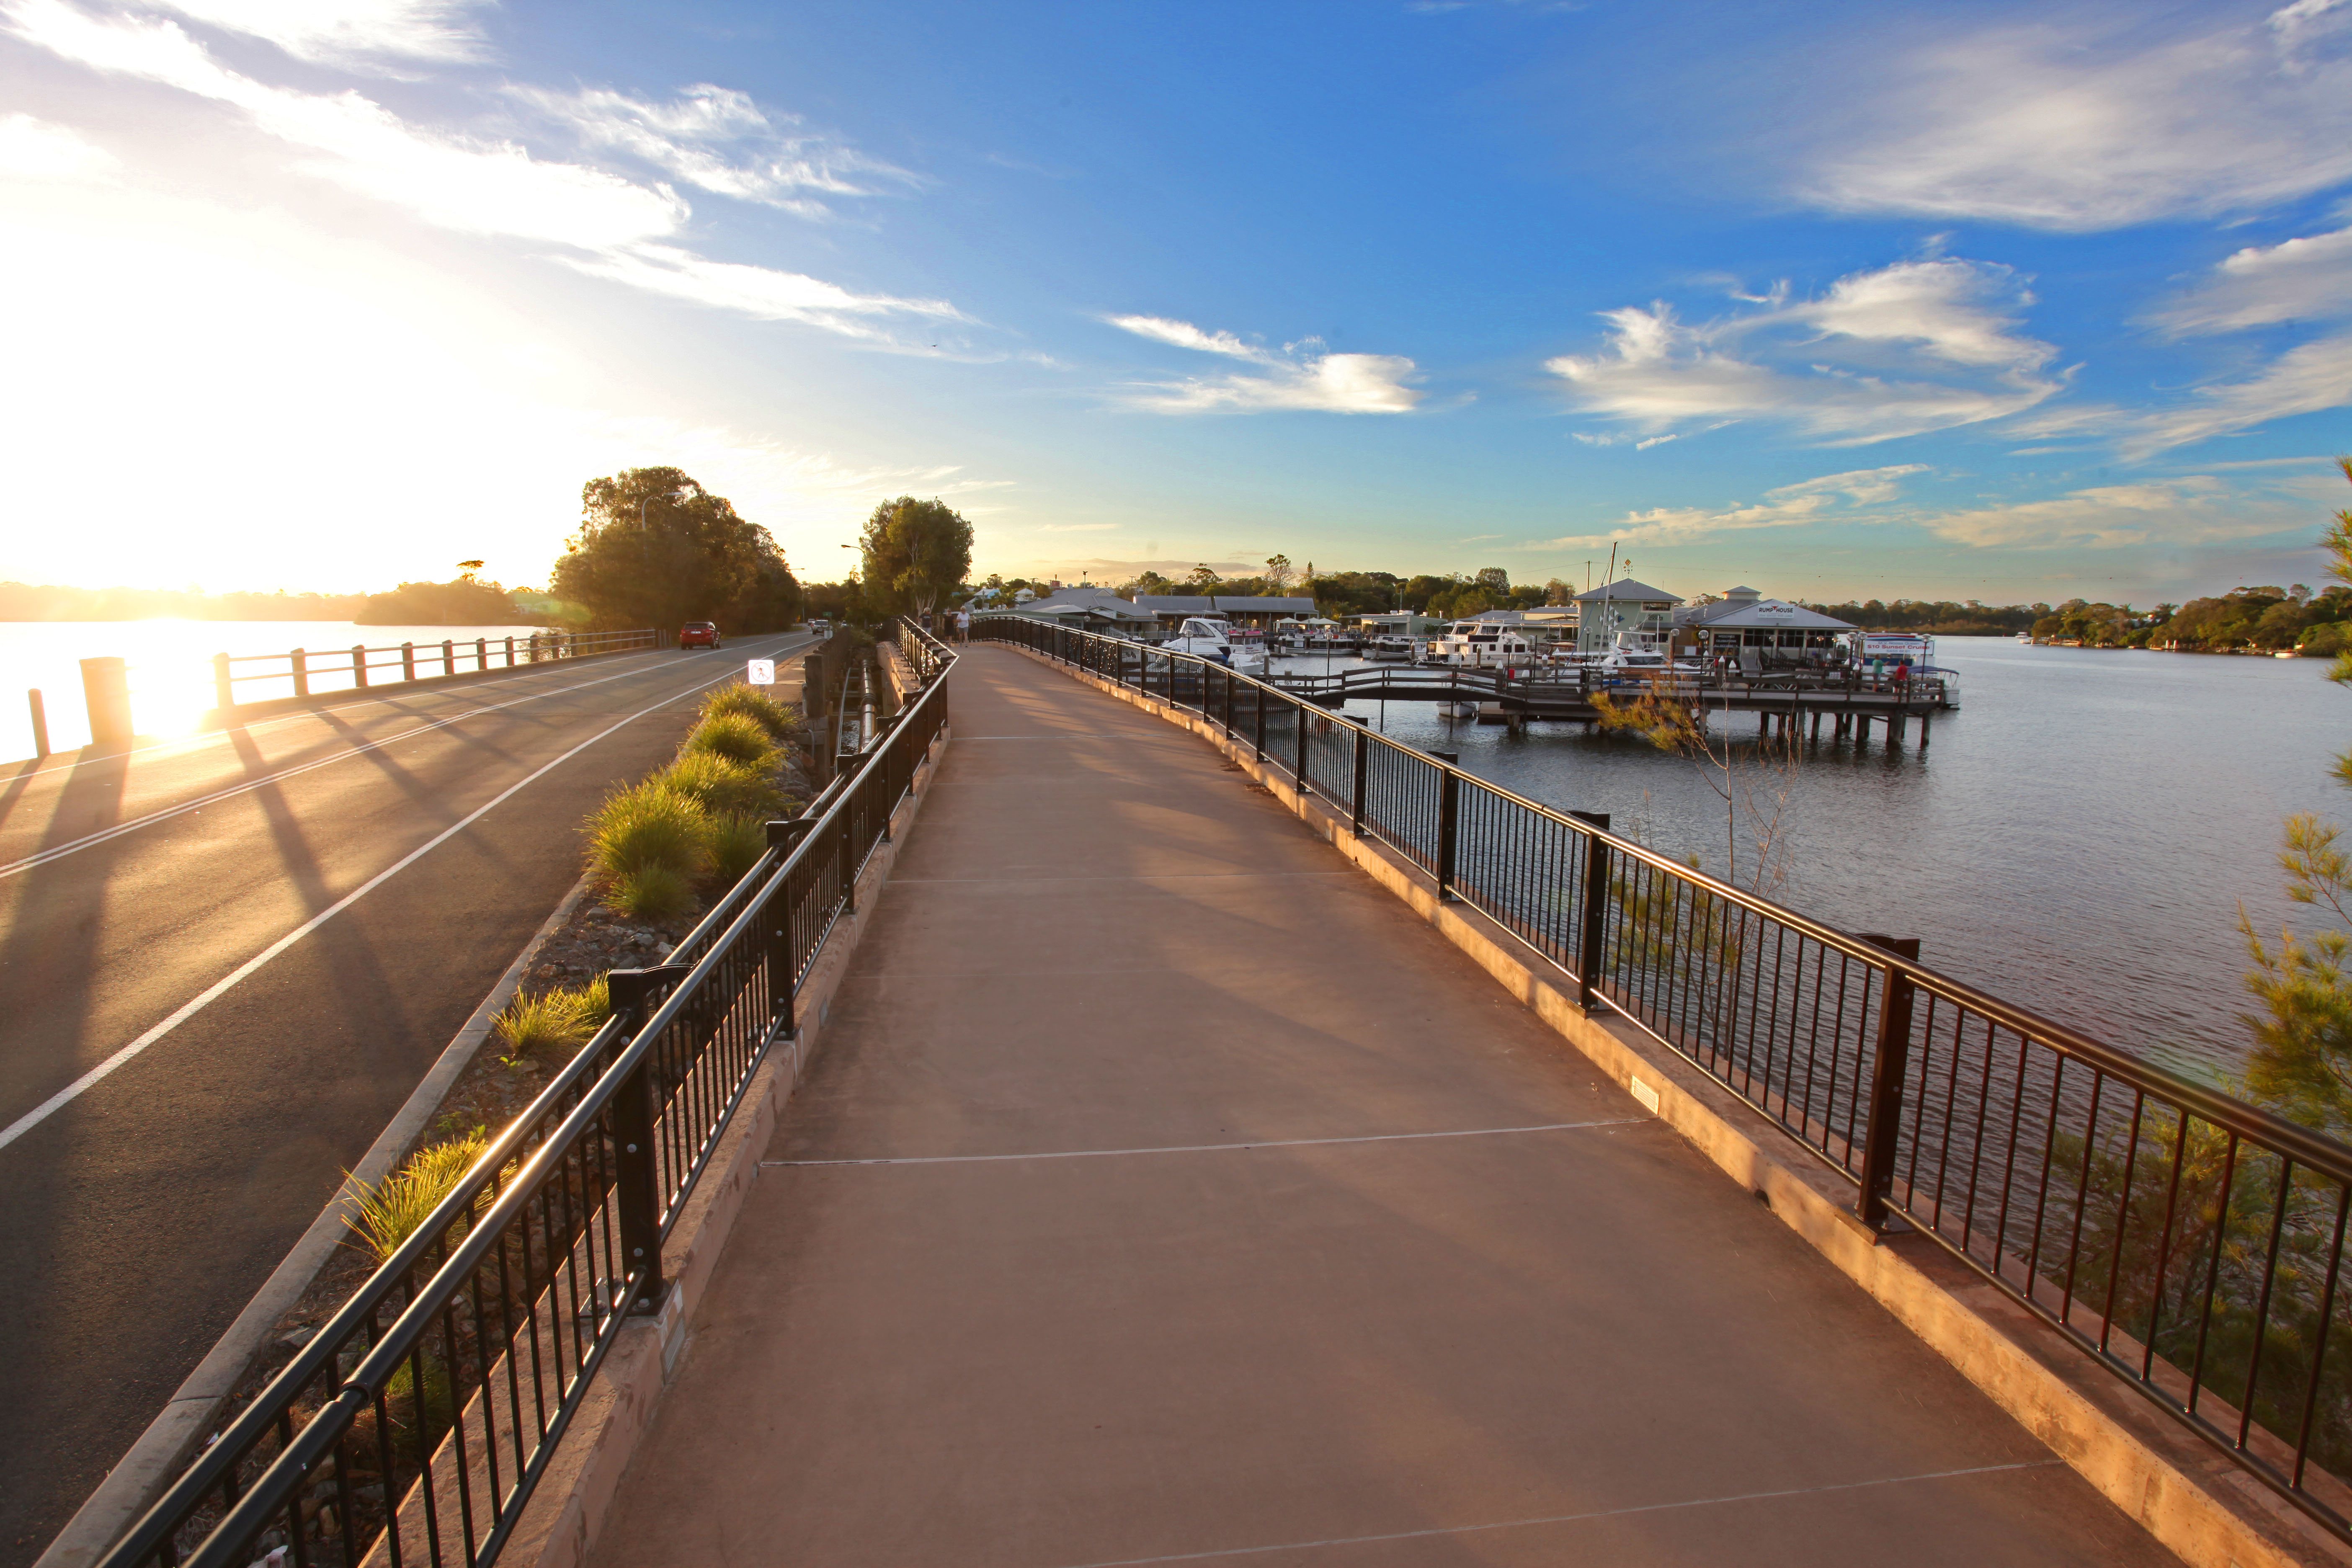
(2077, 839)
(171, 667)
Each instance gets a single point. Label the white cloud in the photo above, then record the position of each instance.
(1296, 377)
(1831, 498)
(465, 183)
(776, 164)
(2300, 280)
(2309, 379)
(759, 292)
(1917, 346)
(2074, 128)
(1076, 527)
(33, 149)
(2196, 510)
(342, 32)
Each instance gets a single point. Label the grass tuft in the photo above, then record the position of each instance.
(735, 737)
(562, 1019)
(722, 787)
(743, 701)
(646, 827)
(387, 1213)
(654, 894)
(737, 842)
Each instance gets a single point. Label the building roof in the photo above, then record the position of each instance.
(1177, 603)
(1266, 604)
(1086, 596)
(1747, 615)
(1627, 588)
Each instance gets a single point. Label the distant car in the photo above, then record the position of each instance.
(819, 625)
(699, 634)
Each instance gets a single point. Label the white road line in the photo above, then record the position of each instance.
(92, 841)
(1571, 1517)
(74, 1091)
(1216, 1148)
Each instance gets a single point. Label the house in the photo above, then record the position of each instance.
(1745, 619)
(1400, 623)
(1624, 606)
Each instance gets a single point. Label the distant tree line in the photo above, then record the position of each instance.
(656, 549)
(52, 602)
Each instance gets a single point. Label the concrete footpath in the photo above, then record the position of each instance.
(1168, 1192)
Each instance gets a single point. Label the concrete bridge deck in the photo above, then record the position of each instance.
(1167, 1192)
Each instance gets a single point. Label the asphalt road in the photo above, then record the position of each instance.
(271, 933)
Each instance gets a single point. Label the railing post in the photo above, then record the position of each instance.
(1298, 761)
(1257, 705)
(1594, 916)
(1363, 769)
(481, 653)
(783, 837)
(408, 662)
(848, 865)
(106, 690)
(510, 664)
(637, 1178)
(40, 722)
(359, 666)
(301, 663)
(1449, 814)
(224, 689)
(448, 656)
(1890, 1061)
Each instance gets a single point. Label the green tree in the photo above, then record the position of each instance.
(1201, 579)
(2301, 1060)
(915, 552)
(1496, 581)
(1279, 574)
(656, 549)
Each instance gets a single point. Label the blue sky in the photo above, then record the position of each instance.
(2009, 302)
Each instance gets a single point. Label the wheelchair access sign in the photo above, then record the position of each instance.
(761, 672)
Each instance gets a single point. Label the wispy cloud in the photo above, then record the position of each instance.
(1300, 375)
(2309, 379)
(720, 141)
(347, 32)
(2302, 279)
(2080, 127)
(1918, 346)
(1830, 498)
(1076, 527)
(34, 149)
(2199, 509)
(467, 184)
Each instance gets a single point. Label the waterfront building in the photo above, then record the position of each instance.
(1743, 618)
(1234, 609)
(1624, 605)
(1091, 608)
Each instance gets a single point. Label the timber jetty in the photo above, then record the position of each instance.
(1791, 703)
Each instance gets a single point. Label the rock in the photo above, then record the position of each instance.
(295, 1339)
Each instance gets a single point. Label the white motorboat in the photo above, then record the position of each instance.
(1390, 646)
(1481, 644)
(1212, 638)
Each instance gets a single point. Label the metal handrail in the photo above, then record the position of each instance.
(554, 1235)
(2044, 1158)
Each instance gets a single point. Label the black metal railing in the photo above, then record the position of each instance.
(414, 1424)
(2190, 1242)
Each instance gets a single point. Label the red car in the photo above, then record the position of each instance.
(698, 634)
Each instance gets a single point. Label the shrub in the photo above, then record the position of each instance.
(722, 787)
(733, 736)
(387, 1213)
(736, 845)
(655, 894)
(548, 1022)
(645, 827)
(592, 1002)
(763, 710)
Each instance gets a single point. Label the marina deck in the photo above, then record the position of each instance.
(1165, 1191)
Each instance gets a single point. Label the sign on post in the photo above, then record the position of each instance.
(762, 672)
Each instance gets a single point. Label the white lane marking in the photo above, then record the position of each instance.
(378, 696)
(73, 1090)
(1214, 1148)
(92, 841)
(1573, 1518)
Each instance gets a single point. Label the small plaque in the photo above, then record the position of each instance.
(762, 672)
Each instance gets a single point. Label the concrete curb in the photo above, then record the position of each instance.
(2190, 1498)
(164, 1450)
(560, 1525)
